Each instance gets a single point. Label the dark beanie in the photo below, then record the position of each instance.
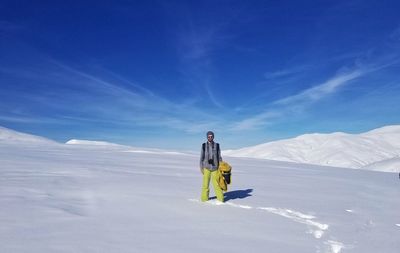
(210, 133)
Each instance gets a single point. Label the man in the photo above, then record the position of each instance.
(209, 162)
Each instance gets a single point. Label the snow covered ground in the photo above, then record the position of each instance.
(109, 198)
(380, 147)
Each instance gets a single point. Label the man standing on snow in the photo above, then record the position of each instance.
(209, 162)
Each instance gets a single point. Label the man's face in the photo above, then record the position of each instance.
(210, 137)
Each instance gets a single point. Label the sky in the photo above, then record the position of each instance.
(162, 73)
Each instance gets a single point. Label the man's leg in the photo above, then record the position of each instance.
(217, 189)
(205, 190)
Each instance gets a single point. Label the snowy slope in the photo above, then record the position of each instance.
(123, 148)
(336, 149)
(11, 136)
(389, 165)
(92, 143)
(74, 198)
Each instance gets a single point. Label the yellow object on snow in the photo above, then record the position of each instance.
(224, 175)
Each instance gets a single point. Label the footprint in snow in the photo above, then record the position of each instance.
(334, 246)
(315, 228)
(218, 203)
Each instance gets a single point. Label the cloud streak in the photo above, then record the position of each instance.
(75, 95)
(373, 61)
(256, 121)
(297, 103)
(322, 90)
(197, 43)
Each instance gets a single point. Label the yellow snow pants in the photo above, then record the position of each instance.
(205, 191)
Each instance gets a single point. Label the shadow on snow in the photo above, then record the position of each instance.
(238, 194)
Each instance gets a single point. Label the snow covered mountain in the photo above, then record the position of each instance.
(91, 143)
(368, 150)
(378, 149)
(11, 136)
(123, 148)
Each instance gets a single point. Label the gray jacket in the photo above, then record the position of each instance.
(210, 152)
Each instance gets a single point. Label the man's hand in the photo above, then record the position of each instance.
(202, 171)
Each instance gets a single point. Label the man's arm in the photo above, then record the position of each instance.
(202, 158)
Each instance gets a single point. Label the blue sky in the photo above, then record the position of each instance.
(162, 73)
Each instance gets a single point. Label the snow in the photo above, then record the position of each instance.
(359, 151)
(8, 135)
(388, 165)
(108, 145)
(81, 198)
(87, 142)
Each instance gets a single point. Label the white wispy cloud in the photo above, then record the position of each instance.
(259, 120)
(19, 119)
(97, 82)
(197, 42)
(78, 95)
(296, 103)
(320, 91)
(370, 62)
(212, 97)
(286, 73)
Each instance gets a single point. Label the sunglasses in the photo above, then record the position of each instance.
(210, 136)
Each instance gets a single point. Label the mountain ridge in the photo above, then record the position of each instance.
(336, 149)
(377, 149)
(12, 136)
